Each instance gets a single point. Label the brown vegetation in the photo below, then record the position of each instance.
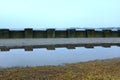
(92, 70)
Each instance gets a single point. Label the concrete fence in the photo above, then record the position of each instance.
(50, 38)
(52, 33)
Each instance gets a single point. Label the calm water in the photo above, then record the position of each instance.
(40, 57)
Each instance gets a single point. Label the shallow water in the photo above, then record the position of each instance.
(40, 57)
(52, 43)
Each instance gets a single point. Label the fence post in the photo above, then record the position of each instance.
(107, 33)
(71, 33)
(90, 33)
(50, 33)
(28, 33)
(4, 33)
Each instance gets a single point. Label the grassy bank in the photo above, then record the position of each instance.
(92, 70)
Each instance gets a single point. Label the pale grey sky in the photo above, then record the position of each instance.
(59, 13)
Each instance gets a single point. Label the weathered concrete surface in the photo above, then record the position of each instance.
(51, 43)
(53, 33)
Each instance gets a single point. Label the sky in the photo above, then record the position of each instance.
(37, 14)
(59, 13)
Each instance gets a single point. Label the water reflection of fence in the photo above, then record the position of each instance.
(51, 43)
(52, 47)
(52, 33)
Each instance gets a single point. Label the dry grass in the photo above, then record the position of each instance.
(92, 70)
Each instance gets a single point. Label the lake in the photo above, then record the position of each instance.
(41, 57)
